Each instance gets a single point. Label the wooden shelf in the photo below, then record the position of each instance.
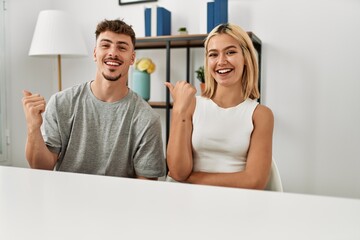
(179, 41)
(159, 104)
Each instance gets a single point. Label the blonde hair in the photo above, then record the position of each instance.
(251, 69)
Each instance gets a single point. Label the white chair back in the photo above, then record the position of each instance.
(274, 183)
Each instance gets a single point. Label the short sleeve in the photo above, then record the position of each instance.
(50, 127)
(149, 159)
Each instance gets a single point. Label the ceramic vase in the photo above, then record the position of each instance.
(141, 84)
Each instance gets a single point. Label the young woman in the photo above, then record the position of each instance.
(224, 137)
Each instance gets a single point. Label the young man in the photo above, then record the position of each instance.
(98, 127)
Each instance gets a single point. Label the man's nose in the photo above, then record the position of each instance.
(113, 51)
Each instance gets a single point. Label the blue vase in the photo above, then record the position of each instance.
(141, 84)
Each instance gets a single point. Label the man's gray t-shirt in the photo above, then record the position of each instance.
(121, 138)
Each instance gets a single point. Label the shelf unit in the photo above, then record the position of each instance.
(187, 42)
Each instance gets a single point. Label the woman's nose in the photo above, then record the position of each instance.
(222, 59)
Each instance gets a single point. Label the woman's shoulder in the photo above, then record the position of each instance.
(263, 113)
(200, 98)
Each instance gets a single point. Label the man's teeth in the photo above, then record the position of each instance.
(224, 70)
(113, 63)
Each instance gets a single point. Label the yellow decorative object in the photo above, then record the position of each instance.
(145, 65)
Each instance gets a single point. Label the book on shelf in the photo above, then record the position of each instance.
(163, 21)
(221, 12)
(210, 16)
(147, 22)
(157, 21)
(217, 13)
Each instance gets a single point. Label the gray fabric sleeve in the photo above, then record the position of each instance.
(149, 160)
(50, 129)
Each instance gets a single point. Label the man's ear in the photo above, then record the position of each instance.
(133, 56)
(94, 54)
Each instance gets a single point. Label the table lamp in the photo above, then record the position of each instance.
(56, 34)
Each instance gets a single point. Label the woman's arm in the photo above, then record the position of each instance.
(256, 173)
(179, 150)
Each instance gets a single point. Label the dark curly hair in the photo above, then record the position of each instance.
(116, 26)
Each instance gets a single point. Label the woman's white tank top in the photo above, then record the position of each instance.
(221, 136)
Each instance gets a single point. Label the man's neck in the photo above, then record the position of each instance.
(109, 91)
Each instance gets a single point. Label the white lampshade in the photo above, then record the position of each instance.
(57, 34)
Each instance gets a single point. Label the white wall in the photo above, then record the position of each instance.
(311, 76)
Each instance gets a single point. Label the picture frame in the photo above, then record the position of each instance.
(126, 2)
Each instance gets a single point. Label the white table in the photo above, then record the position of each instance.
(37, 204)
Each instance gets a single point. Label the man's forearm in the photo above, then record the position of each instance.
(37, 153)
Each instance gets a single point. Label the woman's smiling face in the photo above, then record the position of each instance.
(225, 60)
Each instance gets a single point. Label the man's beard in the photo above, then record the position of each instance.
(110, 78)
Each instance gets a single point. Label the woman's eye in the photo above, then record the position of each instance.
(212, 55)
(231, 52)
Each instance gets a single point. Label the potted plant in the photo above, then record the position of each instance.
(141, 77)
(182, 30)
(200, 75)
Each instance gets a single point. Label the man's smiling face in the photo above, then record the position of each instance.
(113, 54)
